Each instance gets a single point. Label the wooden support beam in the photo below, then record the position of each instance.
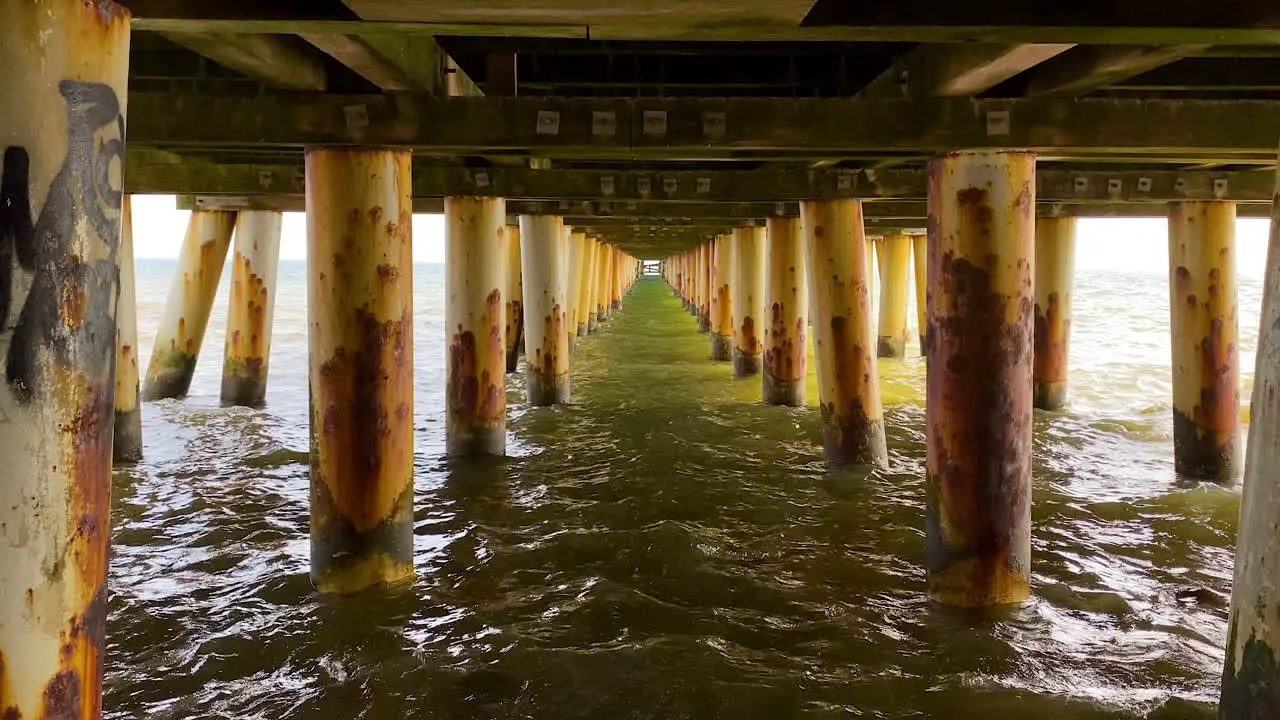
(957, 70)
(704, 128)
(392, 62)
(148, 173)
(1089, 67)
(279, 61)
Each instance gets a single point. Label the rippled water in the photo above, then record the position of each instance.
(668, 548)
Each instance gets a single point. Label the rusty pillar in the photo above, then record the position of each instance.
(251, 308)
(592, 285)
(360, 313)
(839, 267)
(62, 98)
(1205, 335)
(704, 280)
(615, 278)
(513, 295)
(475, 242)
(895, 279)
(577, 260)
(920, 250)
(127, 445)
(722, 298)
(786, 302)
(1251, 676)
(190, 302)
(604, 263)
(1055, 269)
(544, 263)
(586, 283)
(748, 300)
(978, 409)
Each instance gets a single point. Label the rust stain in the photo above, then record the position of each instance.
(388, 273)
(1052, 337)
(1219, 406)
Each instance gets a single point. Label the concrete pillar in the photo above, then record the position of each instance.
(585, 283)
(190, 301)
(1251, 676)
(786, 300)
(978, 409)
(895, 279)
(604, 261)
(360, 315)
(251, 308)
(920, 248)
(615, 278)
(748, 300)
(544, 264)
(62, 98)
(1055, 269)
(127, 446)
(704, 286)
(513, 295)
(1206, 367)
(839, 266)
(721, 298)
(475, 262)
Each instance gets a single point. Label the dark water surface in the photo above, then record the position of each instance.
(664, 548)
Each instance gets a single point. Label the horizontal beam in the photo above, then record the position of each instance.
(148, 172)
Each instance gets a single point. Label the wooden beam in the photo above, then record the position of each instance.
(1089, 67)
(276, 61)
(148, 173)
(957, 70)
(403, 63)
(704, 128)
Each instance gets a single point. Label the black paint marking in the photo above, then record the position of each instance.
(61, 281)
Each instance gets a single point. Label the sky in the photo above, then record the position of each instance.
(1128, 244)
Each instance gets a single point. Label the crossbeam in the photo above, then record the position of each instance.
(704, 128)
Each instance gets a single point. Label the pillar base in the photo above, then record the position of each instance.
(346, 560)
(127, 446)
(1201, 455)
(243, 391)
(543, 393)
(746, 365)
(888, 346)
(721, 347)
(615, 304)
(853, 439)
(583, 329)
(783, 392)
(513, 359)
(1050, 395)
(704, 322)
(492, 441)
(171, 377)
(923, 347)
(593, 324)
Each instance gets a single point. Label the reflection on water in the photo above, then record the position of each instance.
(666, 548)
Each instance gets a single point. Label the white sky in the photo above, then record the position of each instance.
(1132, 244)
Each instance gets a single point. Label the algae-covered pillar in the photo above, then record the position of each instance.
(1205, 335)
(920, 250)
(786, 302)
(251, 308)
(748, 300)
(839, 268)
(1251, 676)
(895, 279)
(62, 98)
(513, 295)
(544, 258)
(978, 409)
(360, 318)
(190, 301)
(722, 298)
(127, 445)
(1055, 270)
(475, 275)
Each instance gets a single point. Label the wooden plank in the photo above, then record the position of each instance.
(1088, 68)
(957, 70)
(705, 128)
(357, 54)
(276, 61)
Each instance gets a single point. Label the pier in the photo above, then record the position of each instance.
(797, 170)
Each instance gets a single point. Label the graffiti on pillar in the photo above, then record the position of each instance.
(58, 318)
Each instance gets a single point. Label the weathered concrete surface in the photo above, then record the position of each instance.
(920, 260)
(127, 443)
(722, 298)
(1251, 676)
(1055, 272)
(786, 302)
(251, 309)
(62, 96)
(545, 266)
(979, 409)
(579, 266)
(839, 269)
(513, 298)
(895, 276)
(187, 308)
(748, 301)
(1205, 340)
(475, 264)
(360, 294)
